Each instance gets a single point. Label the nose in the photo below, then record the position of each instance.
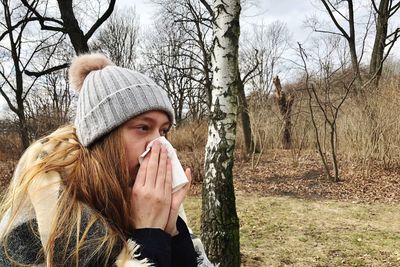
(152, 136)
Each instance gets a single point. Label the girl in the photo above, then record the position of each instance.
(79, 197)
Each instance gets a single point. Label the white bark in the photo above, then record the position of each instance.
(220, 225)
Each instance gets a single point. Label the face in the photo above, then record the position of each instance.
(138, 132)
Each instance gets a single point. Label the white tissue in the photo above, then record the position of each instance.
(179, 178)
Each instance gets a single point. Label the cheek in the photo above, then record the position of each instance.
(133, 151)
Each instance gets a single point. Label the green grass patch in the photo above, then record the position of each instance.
(282, 231)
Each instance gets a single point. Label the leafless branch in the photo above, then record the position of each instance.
(330, 32)
(42, 19)
(367, 28)
(393, 9)
(252, 70)
(47, 71)
(340, 28)
(208, 7)
(375, 7)
(101, 20)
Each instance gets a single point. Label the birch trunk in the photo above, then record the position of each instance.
(220, 224)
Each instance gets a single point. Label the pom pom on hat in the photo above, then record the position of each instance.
(81, 66)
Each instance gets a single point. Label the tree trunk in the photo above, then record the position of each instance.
(375, 66)
(23, 131)
(20, 112)
(351, 39)
(220, 223)
(285, 102)
(74, 32)
(244, 114)
(19, 108)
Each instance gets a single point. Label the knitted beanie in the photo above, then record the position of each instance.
(110, 95)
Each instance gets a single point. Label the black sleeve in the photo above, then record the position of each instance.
(155, 245)
(183, 252)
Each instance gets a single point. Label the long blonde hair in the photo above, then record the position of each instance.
(96, 178)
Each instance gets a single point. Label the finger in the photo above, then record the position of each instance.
(140, 178)
(152, 167)
(179, 196)
(168, 179)
(162, 169)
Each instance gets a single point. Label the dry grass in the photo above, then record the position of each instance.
(283, 231)
(190, 141)
(367, 126)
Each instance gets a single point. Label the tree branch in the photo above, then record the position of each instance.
(335, 33)
(42, 19)
(395, 34)
(101, 20)
(48, 71)
(368, 26)
(394, 9)
(375, 7)
(208, 7)
(337, 11)
(244, 80)
(16, 26)
(334, 20)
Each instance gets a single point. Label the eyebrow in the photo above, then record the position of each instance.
(149, 119)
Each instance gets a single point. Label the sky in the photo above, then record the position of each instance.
(291, 12)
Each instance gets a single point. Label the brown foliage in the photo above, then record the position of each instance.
(190, 141)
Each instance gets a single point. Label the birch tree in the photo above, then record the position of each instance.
(220, 223)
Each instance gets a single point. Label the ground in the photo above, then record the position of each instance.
(291, 215)
(278, 174)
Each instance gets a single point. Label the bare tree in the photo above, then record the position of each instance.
(269, 42)
(337, 11)
(50, 105)
(178, 74)
(194, 17)
(327, 90)
(118, 38)
(19, 51)
(220, 224)
(383, 40)
(23, 43)
(67, 23)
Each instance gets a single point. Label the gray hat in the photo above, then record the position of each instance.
(110, 95)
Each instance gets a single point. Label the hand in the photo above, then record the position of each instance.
(151, 193)
(177, 199)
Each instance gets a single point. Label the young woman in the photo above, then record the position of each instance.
(79, 197)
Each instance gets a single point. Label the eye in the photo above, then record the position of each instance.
(164, 131)
(143, 128)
